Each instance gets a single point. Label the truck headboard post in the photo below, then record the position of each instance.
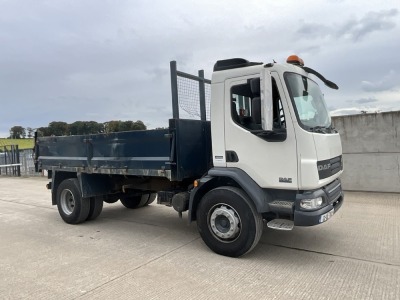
(174, 90)
(202, 94)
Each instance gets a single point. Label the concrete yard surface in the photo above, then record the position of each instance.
(150, 253)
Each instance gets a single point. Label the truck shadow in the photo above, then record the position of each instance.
(153, 215)
(319, 239)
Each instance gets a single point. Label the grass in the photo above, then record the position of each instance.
(22, 143)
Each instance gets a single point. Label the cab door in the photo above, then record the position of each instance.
(271, 164)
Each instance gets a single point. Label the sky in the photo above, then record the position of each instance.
(102, 60)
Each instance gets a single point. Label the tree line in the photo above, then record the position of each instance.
(58, 128)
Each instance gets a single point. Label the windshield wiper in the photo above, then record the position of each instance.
(323, 129)
(332, 129)
(318, 129)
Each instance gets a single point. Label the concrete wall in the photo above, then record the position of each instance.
(371, 151)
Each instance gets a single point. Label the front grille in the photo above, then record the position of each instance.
(329, 167)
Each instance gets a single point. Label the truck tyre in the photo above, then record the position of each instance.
(152, 197)
(72, 208)
(228, 222)
(137, 201)
(96, 206)
(130, 201)
(110, 200)
(133, 202)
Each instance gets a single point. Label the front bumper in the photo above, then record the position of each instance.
(333, 196)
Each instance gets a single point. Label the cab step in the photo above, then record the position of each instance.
(281, 224)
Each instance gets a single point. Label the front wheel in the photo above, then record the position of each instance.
(228, 222)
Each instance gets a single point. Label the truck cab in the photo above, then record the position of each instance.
(273, 138)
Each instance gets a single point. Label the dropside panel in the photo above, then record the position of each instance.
(145, 153)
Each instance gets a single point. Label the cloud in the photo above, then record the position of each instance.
(366, 106)
(372, 21)
(353, 111)
(388, 82)
(354, 29)
(364, 100)
(313, 30)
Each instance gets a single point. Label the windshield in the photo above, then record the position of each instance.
(309, 102)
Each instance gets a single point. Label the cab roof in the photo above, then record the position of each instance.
(233, 63)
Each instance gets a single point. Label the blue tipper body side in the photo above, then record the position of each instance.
(181, 152)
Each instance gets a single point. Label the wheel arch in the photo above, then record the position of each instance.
(217, 177)
(56, 178)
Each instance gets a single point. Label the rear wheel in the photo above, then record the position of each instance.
(137, 201)
(96, 206)
(72, 208)
(152, 197)
(228, 222)
(110, 199)
(130, 201)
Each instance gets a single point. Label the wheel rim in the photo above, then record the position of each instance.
(224, 222)
(67, 201)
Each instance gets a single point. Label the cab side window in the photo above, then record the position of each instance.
(278, 113)
(246, 104)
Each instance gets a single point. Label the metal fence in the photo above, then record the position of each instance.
(15, 162)
(191, 94)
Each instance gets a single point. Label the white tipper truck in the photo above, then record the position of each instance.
(269, 155)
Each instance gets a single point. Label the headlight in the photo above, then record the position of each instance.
(311, 203)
